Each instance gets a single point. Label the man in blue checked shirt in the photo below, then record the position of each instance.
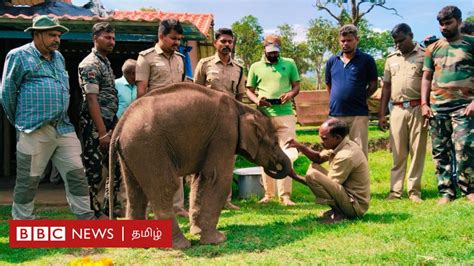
(35, 97)
(126, 87)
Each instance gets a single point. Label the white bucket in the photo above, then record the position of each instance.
(250, 182)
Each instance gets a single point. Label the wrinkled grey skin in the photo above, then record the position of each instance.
(185, 129)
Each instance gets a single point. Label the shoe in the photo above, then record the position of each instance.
(183, 213)
(392, 196)
(470, 197)
(415, 199)
(287, 202)
(231, 206)
(444, 200)
(333, 218)
(265, 200)
(327, 214)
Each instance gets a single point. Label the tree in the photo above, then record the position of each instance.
(321, 41)
(375, 43)
(149, 9)
(471, 18)
(292, 49)
(248, 34)
(307, 83)
(356, 13)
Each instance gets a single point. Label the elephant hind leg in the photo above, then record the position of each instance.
(136, 199)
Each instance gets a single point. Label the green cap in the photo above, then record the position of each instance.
(44, 22)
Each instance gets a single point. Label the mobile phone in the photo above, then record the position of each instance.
(274, 101)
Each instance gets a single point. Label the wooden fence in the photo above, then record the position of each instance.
(312, 107)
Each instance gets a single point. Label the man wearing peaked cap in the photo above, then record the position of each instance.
(276, 81)
(35, 97)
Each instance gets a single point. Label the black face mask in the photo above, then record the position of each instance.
(272, 59)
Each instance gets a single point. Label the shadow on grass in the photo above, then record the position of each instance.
(384, 218)
(22, 255)
(259, 238)
(425, 194)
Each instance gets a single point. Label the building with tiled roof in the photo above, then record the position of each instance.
(135, 31)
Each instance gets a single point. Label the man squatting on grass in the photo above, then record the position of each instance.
(346, 186)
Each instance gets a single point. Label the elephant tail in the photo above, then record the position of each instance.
(114, 142)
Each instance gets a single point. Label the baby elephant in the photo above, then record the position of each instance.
(190, 129)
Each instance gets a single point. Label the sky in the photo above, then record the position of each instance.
(419, 14)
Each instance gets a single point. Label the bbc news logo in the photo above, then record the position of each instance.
(113, 233)
(40, 233)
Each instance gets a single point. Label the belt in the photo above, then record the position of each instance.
(407, 104)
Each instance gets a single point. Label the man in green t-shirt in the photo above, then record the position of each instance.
(276, 81)
(447, 94)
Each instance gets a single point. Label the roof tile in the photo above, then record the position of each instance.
(203, 22)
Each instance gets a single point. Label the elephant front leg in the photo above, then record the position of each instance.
(162, 205)
(209, 191)
(159, 184)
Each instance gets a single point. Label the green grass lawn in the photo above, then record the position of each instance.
(398, 232)
(310, 134)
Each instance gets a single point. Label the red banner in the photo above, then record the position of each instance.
(80, 233)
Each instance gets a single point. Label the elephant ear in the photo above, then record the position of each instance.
(248, 135)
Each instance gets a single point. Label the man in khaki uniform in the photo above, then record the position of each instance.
(346, 186)
(159, 67)
(222, 73)
(402, 84)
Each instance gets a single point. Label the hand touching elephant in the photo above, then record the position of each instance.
(186, 129)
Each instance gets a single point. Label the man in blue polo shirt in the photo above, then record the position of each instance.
(351, 77)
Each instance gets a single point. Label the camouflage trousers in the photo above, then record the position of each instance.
(94, 160)
(452, 135)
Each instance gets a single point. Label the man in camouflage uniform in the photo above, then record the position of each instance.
(159, 67)
(222, 73)
(98, 113)
(402, 84)
(448, 77)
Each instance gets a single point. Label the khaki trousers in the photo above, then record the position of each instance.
(285, 127)
(178, 198)
(329, 192)
(358, 130)
(408, 137)
(34, 150)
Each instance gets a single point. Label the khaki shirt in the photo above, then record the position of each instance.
(404, 73)
(348, 166)
(153, 66)
(212, 72)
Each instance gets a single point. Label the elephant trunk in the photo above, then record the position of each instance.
(281, 169)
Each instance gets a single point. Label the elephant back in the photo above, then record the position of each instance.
(184, 116)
